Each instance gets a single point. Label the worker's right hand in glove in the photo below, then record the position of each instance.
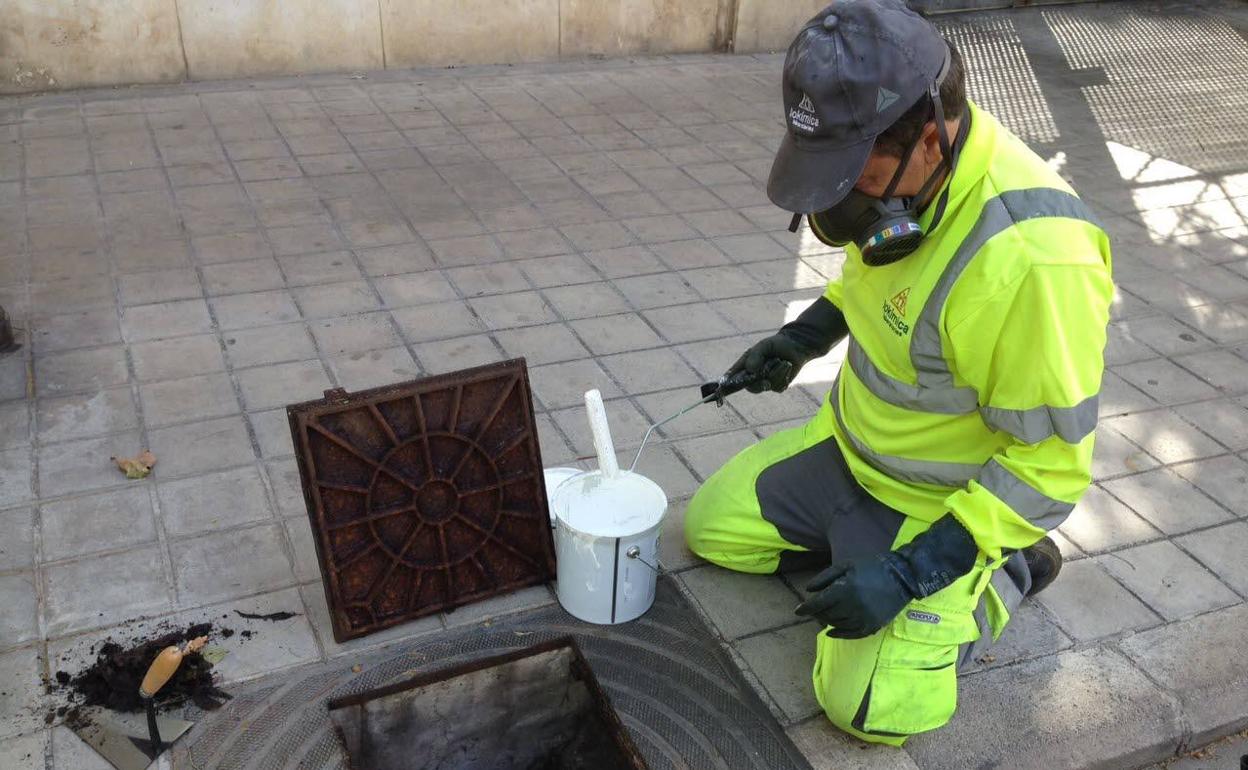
(776, 360)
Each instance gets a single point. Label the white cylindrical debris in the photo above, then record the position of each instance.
(603, 444)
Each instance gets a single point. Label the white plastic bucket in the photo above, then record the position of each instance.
(607, 544)
(554, 477)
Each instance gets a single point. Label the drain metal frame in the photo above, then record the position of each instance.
(425, 495)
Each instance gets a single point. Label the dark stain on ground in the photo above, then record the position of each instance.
(270, 616)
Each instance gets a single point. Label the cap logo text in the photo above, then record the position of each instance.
(884, 99)
(803, 117)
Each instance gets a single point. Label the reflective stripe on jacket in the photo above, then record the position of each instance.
(974, 364)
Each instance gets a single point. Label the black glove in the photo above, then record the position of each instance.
(859, 598)
(778, 358)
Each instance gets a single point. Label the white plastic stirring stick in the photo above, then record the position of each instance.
(603, 444)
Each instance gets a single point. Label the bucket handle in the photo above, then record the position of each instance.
(635, 553)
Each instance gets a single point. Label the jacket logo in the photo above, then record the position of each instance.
(923, 617)
(899, 300)
(895, 313)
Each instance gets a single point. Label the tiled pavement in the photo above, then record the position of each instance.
(181, 262)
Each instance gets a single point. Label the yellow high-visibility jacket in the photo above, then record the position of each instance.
(974, 364)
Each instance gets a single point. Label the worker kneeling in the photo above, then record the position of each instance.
(975, 295)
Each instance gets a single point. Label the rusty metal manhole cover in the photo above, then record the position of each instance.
(425, 495)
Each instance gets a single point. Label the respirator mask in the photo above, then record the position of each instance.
(887, 229)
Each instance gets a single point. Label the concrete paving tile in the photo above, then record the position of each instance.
(1167, 501)
(257, 553)
(84, 415)
(89, 328)
(335, 299)
(1170, 581)
(103, 590)
(374, 368)
(1225, 421)
(239, 311)
(97, 522)
(1088, 604)
(659, 228)
(706, 454)
(437, 321)
(483, 280)
(79, 370)
(690, 254)
(1225, 479)
(213, 501)
(827, 748)
(22, 701)
(467, 250)
(177, 357)
(304, 239)
(241, 277)
(191, 398)
(1100, 522)
(1118, 397)
(660, 464)
(507, 311)
(14, 425)
(159, 286)
(272, 432)
(625, 261)
(231, 247)
(395, 259)
(1224, 324)
(650, 370)
(674, 553)
(1166, 382)
(27, 751)
(1220, 368)
(486, 610)
(17, 549)
(318, 615)
(325, 267)
(684, 323)
(558, 270)
(652, 291)
(273, 644)
(415, 289)
(1199, 660)
(1116, 456)
(165, 319)
(268, 345)
(739, 604)
(616, 333)
(751, 247)
(199, 446)
(1123, 718)
(307, 568)
(585, 300)
(1166, 436)
(283, 475)
(19, 623)
(79, 465)
(1221, 550)
(1030, 634)
(265, 387)
(783, 660)
(768, 408)
(542, 344)
(555, 451)
(459, 353)
(352, 335)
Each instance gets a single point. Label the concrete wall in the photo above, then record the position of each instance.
(47, 44)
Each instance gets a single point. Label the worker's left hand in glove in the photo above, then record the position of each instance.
(856, 599)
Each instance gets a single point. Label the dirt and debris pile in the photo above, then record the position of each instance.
(113, 679)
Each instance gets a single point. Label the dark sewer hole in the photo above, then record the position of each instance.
(539, 708)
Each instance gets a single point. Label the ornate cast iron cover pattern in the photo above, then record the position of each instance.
(424, 496)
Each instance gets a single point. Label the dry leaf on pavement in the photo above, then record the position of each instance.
(136, 467)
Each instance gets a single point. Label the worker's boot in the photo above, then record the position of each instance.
(1044, 561)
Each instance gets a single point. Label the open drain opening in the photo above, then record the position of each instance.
(539, 708)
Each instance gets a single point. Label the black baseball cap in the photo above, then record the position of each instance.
(850, 73)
